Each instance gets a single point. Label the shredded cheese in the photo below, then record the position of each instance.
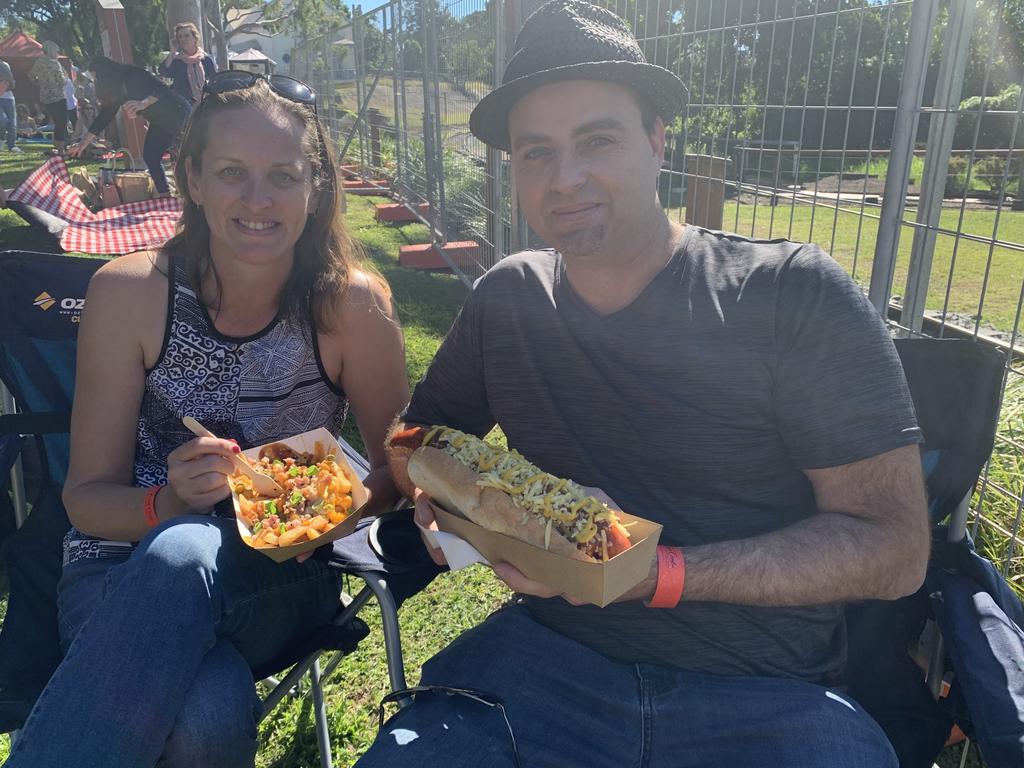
(562, 503)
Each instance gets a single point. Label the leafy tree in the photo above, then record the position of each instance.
(72, 24)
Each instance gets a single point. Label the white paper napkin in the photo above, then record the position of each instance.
(458, 552)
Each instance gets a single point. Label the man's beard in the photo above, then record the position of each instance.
(582, 243)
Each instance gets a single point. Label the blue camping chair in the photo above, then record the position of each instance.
(955, 386)
(41, 297)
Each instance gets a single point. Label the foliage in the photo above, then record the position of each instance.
(996, 131)
(72, 24)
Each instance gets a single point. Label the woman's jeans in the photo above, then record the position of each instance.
(159, 646)
(166, 121)
(569, 706)
(157, 142)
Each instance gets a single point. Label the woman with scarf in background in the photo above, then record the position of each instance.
(187, 64)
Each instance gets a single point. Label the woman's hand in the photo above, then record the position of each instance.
(77, 149)
(198, 471)
(131, 108)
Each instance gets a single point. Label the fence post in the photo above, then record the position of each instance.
(516, 12)
(398, 93)
(374, 118)
(433, 162)
(360, 60)
(904, 131)
(496, 183)
(952, 63)
(705, 190)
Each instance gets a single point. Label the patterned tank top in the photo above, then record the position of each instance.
(255, 390)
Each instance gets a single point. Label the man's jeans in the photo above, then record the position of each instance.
(8, 121)
(569, 706)
(159, 649)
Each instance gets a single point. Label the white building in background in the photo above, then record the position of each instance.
(277, 47)
(280, 48)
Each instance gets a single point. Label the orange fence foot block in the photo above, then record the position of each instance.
(349, 171)
(368, 187)
(398, 213)
(426, 256)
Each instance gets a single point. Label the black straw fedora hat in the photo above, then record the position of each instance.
(573, 40)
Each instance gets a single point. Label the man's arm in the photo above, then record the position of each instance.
(869, 540)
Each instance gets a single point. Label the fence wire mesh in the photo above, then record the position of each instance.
(887, 131)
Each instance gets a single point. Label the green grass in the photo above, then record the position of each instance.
(15, 167)
(851, 241)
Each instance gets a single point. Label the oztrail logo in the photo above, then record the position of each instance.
(44, 301)
(69, 306)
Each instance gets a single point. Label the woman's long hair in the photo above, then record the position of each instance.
(325, 255)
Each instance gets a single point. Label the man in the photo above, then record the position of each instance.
(741, 392)
(8, 111)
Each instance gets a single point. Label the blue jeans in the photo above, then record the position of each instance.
(570, 706)
(8, 121)
(159, 646)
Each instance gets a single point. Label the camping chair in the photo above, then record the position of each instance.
(41, 296)
(955, 386)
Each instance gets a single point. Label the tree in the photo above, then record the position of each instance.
(72, 24)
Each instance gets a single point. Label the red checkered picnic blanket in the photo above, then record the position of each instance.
(121, 229)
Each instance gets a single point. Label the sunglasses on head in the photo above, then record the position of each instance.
(282, 85)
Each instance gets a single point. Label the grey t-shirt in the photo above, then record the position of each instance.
(741, 364)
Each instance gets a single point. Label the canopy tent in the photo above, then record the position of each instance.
(20, 51)
(251, 60)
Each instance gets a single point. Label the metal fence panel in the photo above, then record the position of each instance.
(889, 132)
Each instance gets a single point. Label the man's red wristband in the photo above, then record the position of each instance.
(149, 506)
(671, 578)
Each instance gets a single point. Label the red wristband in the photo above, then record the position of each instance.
(671, 578)
(149, 506)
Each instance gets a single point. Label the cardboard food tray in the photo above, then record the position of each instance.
(307, 443)
(597, 583)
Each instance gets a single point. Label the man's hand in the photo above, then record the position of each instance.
(517, 582)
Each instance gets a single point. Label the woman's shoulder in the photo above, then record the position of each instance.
(135, 279)
(367, 299)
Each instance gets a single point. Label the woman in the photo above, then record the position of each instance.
(255, 319)
(48, 74)
(187, 64)
(27, 128)
(143, 95)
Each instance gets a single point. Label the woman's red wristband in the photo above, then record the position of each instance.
(149, 506)
(671, 578)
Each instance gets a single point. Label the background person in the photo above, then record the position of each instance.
(86, 114)
(140, 94)
(48, 74)
(187, 64)
(72, 103)
(743, 393)
(27, 128)
(8, 108)
(256, 319)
